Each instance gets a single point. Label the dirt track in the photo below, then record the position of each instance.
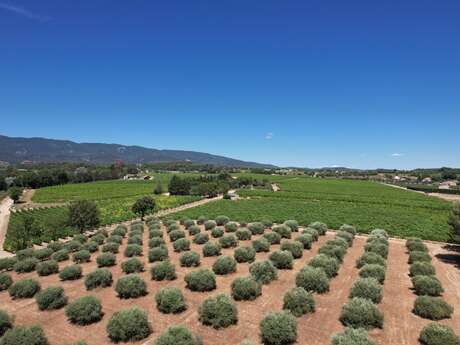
(401, 327)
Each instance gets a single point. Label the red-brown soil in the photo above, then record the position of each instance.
(400, 327)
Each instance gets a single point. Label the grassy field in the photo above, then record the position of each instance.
(367, 205)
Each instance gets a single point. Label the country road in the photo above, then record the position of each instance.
(4, 219)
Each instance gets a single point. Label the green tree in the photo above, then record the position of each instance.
(84, 214)
(143, 205)
(15, 193)
(454, 221)
(158, 188)
(179, 186)
(25, 232)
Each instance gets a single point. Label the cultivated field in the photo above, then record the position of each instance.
(366, 205)
(400, 325)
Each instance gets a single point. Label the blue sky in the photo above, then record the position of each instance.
(312, 83)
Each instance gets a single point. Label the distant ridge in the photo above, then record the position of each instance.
(42, 150)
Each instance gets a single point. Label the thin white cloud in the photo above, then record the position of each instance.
(397, 154)
(22, 12)
(269, 136)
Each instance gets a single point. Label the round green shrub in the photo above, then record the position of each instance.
(43, 253)
(25, 253)
(98, 238)
(422, 268)
(352, 336)
(373, 271)
(115, 239)
(26, 265)
(218, 312)
(433, 308)
(74, 246)
(155, 233)
(6, 322)
(282, 259)
(190, 259)
(416, 245)
(26, 288)
(427, 285)
(170, 300)
(272, 237)
(200, 280)
(135, 240)
(256, 228)
(91, 246)
(5, 281)
(176, 234)
(377, 248)
(292, 224)
(333, 251)
(243, 234)
(416, 256)
(201, 220)
(193, 230)
(133, 265)
(158, 254)
(119, 231)
(329, 264)
(99, 278)
(339, 242)
(377, 239)
(72, 272)
(224, 265)
(131, 286)
(246, 289)
(231, 227)
(172, 227)
(133, 250)
(379, 233)
(111, 247)
(267, 222)
(312, 232)
(244, 254)
(296, 248)
(217, 232)
(80, 238)
(346, 236)
(181, 245)
(228, 241)
(84, 310)
(370, 258)
(177, 335)
(211, 249)
(261, 245)
(163, 270)
(7, 264)
(299, 302)
(209, 225)
(222, 220)
(60, 255)
(201, 238)
(52, 297)
(348, 228)
(55, 246)
(156, 242)
(361, 313)
(45, 268)
(263, 271)
(81, 256)
(130, 324)
(106, 260)
(306, 240)
(278, 329)
(438, 334)
(320, 227)
(368, 288)
(283, 230)
(312, 279)
(189, 223)
(21, 335)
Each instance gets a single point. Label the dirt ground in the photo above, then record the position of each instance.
(448, 197)
(400, 326)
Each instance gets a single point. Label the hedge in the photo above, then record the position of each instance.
(130, 324)
(438, 334)
(84, 310)
(131, 286)
(422, 268)
(163, 270)
(368, 288)
(190, 259)
(21, 335)
(7, 264)
(313, 279)
(218, 312)
(427, 285)
(282, 259)
(177, 335)
(245, 289)
(244, 254)
(352, 336)
(133, 265)
(71, 272)
(170, 300)
(100, 277)
(417, 256)
(433, 308)
(329, 264)
(416, 245)
(278, 329)
(26, 288)
(211, 249)
(224, 265)
(200, 280)
(45, 268)
(263, 271)
(299, 302)
(370, 258)
(377, 248)
(106, 260)
(361, 313)
(52, 297)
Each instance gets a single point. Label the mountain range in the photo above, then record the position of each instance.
(42, 150)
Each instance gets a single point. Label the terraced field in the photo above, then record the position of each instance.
(366, 205)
